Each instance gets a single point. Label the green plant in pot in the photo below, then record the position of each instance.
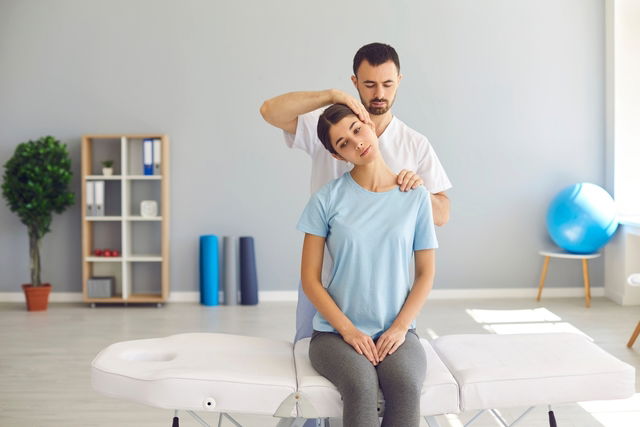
(107, 167)
(36, 184)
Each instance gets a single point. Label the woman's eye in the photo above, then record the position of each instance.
(356, 131)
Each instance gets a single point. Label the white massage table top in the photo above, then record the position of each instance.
(241, 374)
(199, 371)
(501, 371)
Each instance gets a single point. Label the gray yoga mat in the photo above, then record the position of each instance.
(231, 269)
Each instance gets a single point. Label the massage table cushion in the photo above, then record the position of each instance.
(501, 371)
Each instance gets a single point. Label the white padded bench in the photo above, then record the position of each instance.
(237, 374)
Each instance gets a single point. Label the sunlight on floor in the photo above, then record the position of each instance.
(528, 321)
(615, 413)
(534, 328)
(513, 316)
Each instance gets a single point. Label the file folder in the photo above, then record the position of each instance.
(89, 199)
(99, 198)
(156, 157)
(147, 156)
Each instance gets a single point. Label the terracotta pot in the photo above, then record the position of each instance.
(37, 296)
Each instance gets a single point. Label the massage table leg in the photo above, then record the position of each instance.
(221, 416)
(431, 421)
(552, 418)
(502, 421)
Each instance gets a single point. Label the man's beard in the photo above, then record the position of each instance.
(378, 111)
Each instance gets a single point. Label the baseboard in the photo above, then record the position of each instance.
(436, 294)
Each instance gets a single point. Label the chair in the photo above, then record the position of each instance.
(566, 255)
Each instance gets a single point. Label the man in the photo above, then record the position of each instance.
(376, 76)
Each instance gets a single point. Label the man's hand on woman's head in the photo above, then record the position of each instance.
(409, 180)
(340, 97)
(362, 343)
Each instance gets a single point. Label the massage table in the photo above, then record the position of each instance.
(233, 374)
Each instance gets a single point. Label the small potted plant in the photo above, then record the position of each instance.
(107, 167)
(35, 185)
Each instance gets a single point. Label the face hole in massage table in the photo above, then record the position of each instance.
(147, 356)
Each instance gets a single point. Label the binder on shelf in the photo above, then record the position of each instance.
(156, 156)
(99, 198)
(147, 156)
(90, 199)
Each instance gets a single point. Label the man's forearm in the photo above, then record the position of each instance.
(440, 206)
(282, 110)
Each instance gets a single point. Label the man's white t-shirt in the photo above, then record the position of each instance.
(401, 148)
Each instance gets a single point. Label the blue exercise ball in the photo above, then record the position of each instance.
(582, 218)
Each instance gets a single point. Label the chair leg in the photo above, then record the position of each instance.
(587, 286)
(635, 334)
(545, 266)
(552, 419)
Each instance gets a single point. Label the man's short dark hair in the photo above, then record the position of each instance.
(375, 54)
(328, 118)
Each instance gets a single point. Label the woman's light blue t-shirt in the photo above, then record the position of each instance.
(371, 238)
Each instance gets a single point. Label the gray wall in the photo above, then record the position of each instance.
(510, 93)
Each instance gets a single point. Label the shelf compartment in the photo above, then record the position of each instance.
(101, 268)
(104, 148)
(104, 235)
(112, 199)
(145, 279)
(135, 166)
(144, 239)
(143, 190)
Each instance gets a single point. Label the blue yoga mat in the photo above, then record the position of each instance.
(209, 270)
(248, 276)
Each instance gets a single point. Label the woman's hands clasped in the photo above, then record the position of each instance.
(387, 344)
(389, 341)
(362, 343)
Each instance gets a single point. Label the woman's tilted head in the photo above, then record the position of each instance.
(328, 118)
(345, 136)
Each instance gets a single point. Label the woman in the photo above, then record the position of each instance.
(364, 331)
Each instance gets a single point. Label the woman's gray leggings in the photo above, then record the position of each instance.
(400, 376)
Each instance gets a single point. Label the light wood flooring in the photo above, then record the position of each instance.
(45, 357)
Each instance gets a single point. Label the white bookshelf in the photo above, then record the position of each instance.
(141, 270)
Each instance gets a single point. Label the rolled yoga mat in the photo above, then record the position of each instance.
(248, 276)
(209, 270)
(230, 270)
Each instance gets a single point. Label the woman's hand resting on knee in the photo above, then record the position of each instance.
(362, 343)
(389, 341)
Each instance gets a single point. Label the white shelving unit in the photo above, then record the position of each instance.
(141, 270)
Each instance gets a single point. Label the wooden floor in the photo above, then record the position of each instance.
(45, 357)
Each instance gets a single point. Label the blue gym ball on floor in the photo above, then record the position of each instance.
(582, 218)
